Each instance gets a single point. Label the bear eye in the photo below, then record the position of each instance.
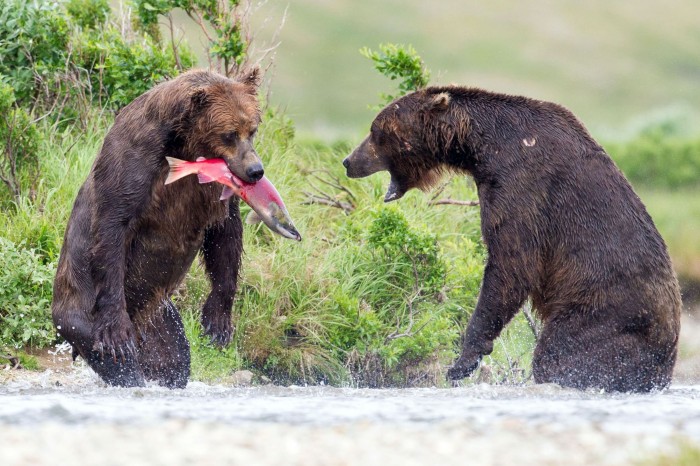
(379, 137)
(230, 138)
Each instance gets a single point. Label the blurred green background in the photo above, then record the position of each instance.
(614, 64)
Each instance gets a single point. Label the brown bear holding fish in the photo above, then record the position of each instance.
(132, 236)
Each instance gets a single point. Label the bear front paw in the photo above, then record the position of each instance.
(115, 338)
(463, 367)
(216, 319)
(218, 328)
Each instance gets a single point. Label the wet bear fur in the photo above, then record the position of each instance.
(562, 227)
(130, 239)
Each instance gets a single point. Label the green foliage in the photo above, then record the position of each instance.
(25, 297)
(414, 256)
(225, 18)
(26, 361)
(399, 62)
(398, 325)
(19, 142)
(121, 69)
(33, 43)
(63, 63)
(88, 14)
(654, 159)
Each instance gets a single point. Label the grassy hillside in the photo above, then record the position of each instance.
(609, 62)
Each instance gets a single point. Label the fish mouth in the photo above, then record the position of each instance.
(280, 222)
(266, 202)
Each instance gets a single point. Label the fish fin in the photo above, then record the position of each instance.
(253, 218)
(178, 169)
(226, 193)
(204, 178)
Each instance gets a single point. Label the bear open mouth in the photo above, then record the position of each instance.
(394, 191)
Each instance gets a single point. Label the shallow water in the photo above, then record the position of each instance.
(596, 428)
(676, 409)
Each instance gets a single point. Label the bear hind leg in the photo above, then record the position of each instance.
(596, 355)
(164, 352)
(76, 327)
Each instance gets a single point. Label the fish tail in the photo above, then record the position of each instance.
(178, 169)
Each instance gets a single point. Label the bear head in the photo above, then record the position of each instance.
(222, 120)
(411, 138)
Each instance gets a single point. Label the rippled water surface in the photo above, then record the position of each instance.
(675, 410)
(73, 418)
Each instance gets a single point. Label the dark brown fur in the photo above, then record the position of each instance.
(561, 224)
(131, 239)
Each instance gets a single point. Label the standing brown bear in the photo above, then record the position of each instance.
(131, 239)
(561, 224)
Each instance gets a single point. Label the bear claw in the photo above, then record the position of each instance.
(462, 368)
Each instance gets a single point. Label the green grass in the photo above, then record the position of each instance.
(687, 454)
(39, 222)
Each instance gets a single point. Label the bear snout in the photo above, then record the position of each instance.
(360, 164)
(246, 165)
(255, 171)
(351, 167)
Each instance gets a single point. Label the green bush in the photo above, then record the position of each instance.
(19, 143)
(227, 19)
(88, 13)
(395, 314)
(34, 40)
(656, 160)
(25, 297)
(399, 62)
(121, 69)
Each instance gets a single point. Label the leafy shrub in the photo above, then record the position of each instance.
(399, 62)
(121, 69)
(33, 42)
(656, 160)
(88, 13)
(227, 19)
(395, 323)
(19, 142)
(25, 297)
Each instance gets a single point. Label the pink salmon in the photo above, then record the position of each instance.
(261, 196)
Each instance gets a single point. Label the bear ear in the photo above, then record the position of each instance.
(199, 97)
(440, 102)
(250, 77)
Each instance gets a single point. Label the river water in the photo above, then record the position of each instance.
(84, 422)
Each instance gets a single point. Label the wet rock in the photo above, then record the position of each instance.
(264, 380)
(242, 378)
(485, 374)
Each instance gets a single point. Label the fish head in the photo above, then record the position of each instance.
(266, 202)
(276, 217)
